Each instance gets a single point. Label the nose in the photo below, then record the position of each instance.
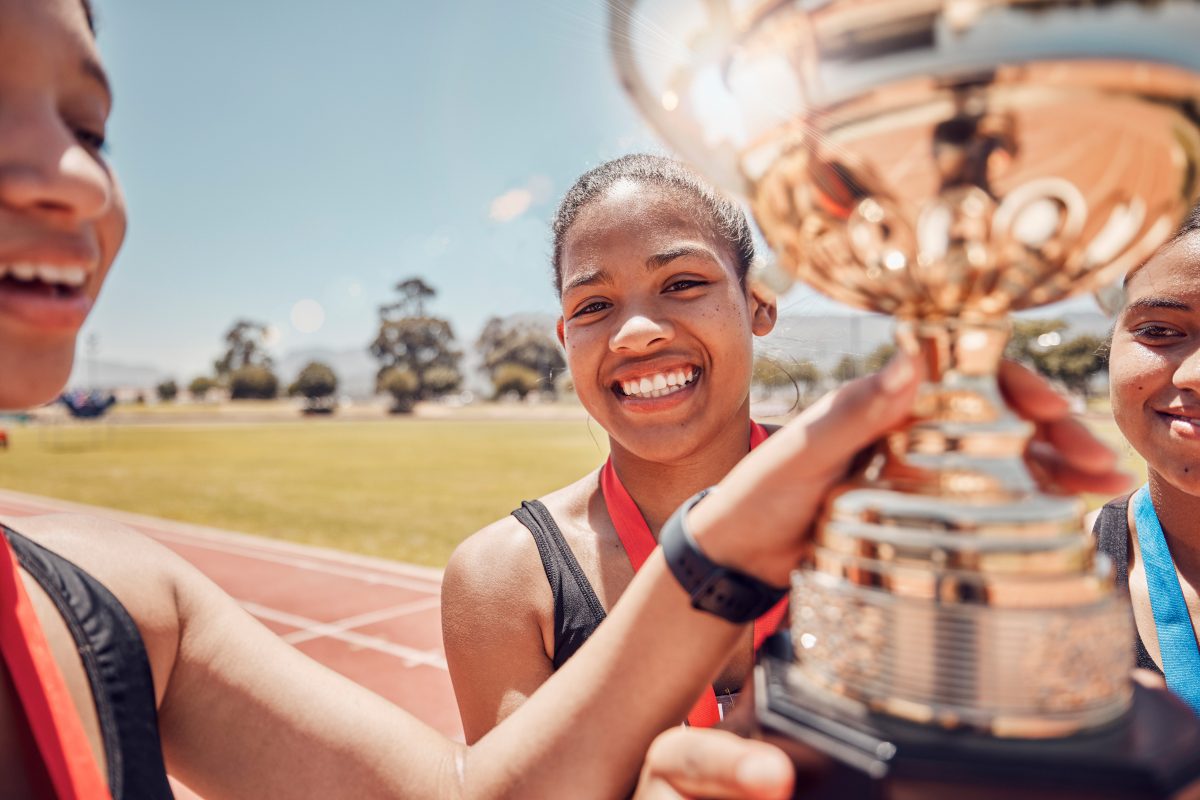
(45, 171)
(639, 332)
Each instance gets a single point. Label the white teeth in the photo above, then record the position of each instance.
(73, 277)
(658, 385)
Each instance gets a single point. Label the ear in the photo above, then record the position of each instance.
(763, 313)
(558, 328)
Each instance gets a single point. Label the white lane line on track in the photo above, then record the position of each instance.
(409, 655)
(36, 504)
(360, 620)
(311, 565)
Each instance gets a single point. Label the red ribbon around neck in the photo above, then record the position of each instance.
(53, 721)
(639, 543)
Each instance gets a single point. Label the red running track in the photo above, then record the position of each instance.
(375, 621)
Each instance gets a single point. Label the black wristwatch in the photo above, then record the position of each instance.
(719, 590)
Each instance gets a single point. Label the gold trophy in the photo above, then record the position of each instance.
(948, 162)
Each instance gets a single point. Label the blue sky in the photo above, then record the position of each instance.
(276, 152)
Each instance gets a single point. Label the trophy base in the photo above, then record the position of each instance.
(1151, 752)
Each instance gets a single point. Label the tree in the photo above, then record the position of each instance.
(1072, 362)
(847, 369)
(1075, 362)
(317, 383)
(422, 345)
(253, 382)
(200, 386)
(513, 378)
(523, 342)
(167, 390)
(770, 374)
(245, 346)
(881, 355)
(413, 294)
(404, 387)
(1031, 338)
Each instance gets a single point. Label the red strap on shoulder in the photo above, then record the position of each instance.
(639, 543)
(54, 723)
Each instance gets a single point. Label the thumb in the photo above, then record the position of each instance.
(827, 435)
(777, 490)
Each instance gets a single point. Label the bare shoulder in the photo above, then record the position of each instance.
(504, 553)
(144, 576)
(128, 563)
(498, 570)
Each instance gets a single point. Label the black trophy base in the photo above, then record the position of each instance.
(1151, 752)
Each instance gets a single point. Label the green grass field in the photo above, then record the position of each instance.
(407, 489)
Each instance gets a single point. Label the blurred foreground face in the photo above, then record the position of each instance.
(61, 214)
(1155, 365)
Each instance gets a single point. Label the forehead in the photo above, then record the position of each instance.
(1173, 272)
(631, 219)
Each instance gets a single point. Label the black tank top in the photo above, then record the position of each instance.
(577, 609)
(117, 668)
(1112, 538)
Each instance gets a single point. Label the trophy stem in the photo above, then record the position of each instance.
(965, 442)
(946, 587)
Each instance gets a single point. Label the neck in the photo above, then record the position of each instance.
(1179, 515)
(658, 489)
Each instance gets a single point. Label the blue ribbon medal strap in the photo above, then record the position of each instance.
(1176, 639)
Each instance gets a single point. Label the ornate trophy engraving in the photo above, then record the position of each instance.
(948, 162)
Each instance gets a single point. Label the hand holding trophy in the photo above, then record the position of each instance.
(948, 162)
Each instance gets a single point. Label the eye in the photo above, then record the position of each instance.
(683, 284)
(1153, 332)
(94, 141)
(591, 308)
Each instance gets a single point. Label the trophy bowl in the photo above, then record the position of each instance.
(946, 162)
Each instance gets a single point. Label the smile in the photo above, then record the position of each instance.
(44, 279)
(1185, 424)
(659, 384)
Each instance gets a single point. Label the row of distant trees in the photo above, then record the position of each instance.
(1073, 362)
(419, 359)
(418, 355)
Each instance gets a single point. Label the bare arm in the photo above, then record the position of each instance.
(245, 715)
(493, 592)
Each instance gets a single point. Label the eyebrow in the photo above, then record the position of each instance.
(93, 70)
(589, 278)
(1158, 303)
(667, 256)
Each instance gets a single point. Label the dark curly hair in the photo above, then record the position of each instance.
(725, 216)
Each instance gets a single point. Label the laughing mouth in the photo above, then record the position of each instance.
(660, 384)
(58, 281)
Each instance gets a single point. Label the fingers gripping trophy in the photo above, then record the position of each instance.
(948, 162)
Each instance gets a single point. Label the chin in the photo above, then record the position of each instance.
(34, 379)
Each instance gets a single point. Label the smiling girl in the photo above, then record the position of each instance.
(1153, 536)
(658, 323)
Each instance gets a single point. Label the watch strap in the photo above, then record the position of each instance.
(719, 590)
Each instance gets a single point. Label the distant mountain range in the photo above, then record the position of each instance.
(821, 339)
